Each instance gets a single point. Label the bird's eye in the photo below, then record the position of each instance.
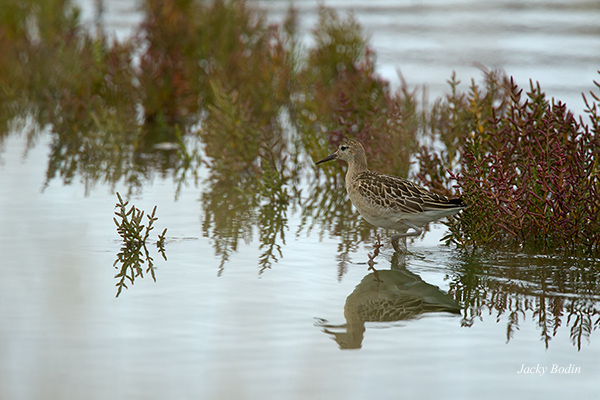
(343, 148)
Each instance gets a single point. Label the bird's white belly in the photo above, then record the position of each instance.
(382, 218)
(383, 222)
(393, 219)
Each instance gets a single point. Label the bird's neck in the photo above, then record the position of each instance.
(356, 167)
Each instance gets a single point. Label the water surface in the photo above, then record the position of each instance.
(235, 333)
(216, 327)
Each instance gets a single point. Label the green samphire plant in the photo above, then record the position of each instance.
(134, 251)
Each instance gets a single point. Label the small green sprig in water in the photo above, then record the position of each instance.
(134, 252)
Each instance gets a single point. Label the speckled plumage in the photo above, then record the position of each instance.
(397, 193)
(388, 201)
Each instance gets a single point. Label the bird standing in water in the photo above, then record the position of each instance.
(388, 201)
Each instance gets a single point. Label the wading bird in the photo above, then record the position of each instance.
(388, 201)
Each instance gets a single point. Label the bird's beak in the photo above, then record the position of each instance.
(328, 158)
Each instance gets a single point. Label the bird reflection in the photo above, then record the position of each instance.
(385, 296)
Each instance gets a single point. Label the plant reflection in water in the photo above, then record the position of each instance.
(555, 291)
(234, 204)
(249, 171)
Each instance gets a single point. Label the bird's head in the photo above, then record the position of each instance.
(347, 151)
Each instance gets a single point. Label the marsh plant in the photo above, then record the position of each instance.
(526, 165)
(134, 251)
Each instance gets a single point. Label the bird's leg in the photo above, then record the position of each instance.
(417, 231)
(404, 235)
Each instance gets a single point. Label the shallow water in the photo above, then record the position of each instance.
(240, 334)
(213, 330)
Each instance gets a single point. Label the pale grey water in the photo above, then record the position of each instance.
(194, 334)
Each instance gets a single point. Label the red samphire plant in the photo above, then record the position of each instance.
(529, 171)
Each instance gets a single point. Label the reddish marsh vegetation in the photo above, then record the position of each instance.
(525, 164)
